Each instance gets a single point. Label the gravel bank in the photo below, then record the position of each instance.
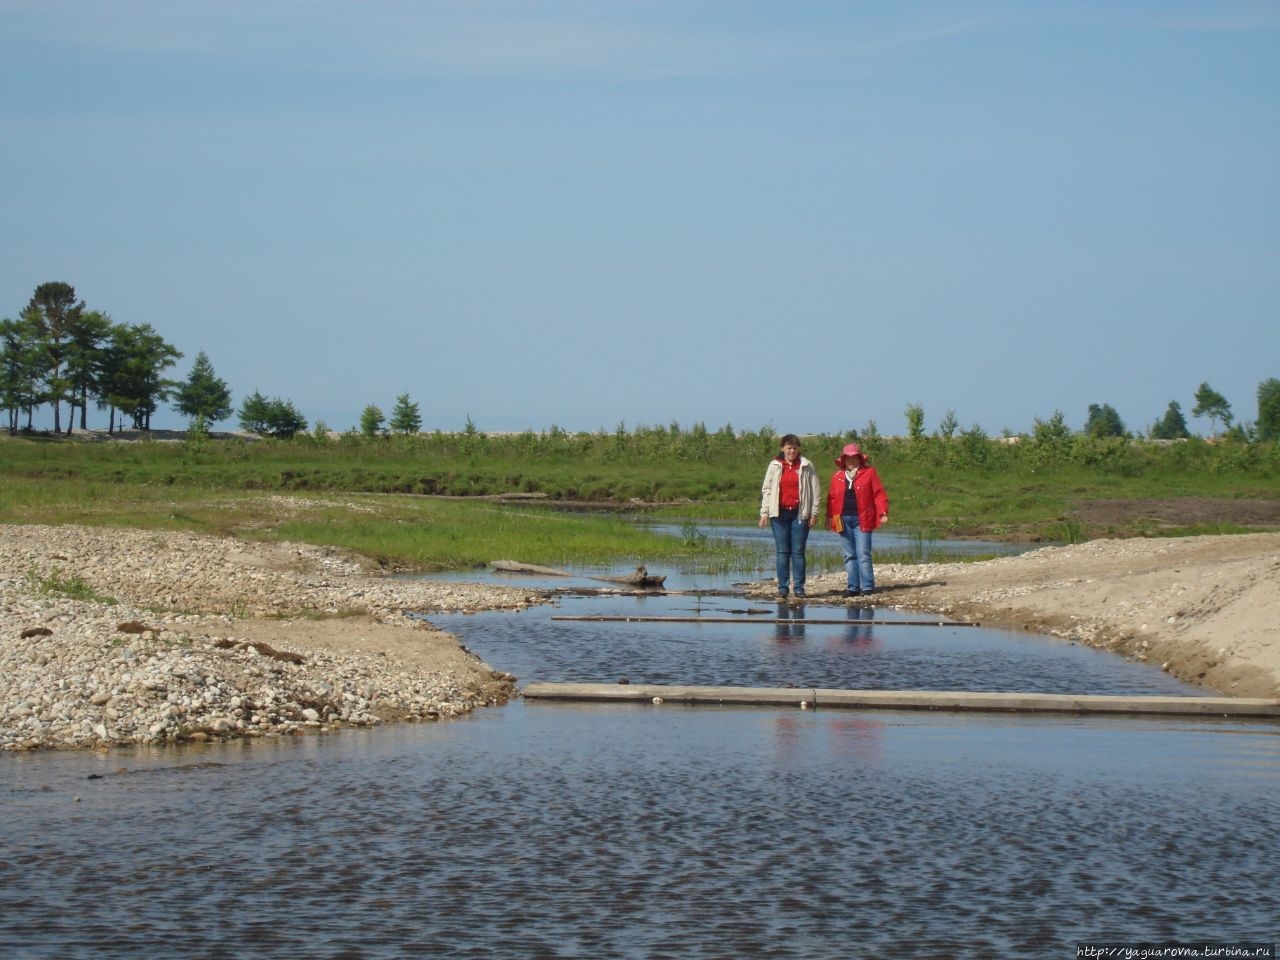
(124, 636)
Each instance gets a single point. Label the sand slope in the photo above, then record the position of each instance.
(1205, 608)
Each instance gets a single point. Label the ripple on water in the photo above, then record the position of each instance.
(634, 831)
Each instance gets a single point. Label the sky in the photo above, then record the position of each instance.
(806, 215)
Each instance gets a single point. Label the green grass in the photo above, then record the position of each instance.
(58, 584)
(368, 495)
(397, 530)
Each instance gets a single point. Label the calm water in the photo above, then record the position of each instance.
(609, 831)
(554, 830)
(756, 651)
(822, 542)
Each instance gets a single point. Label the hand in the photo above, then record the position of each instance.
(764, 521)
(884, 518)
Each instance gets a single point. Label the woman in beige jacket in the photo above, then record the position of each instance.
(789, 503)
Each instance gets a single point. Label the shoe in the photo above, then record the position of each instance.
(799, 594)
(780, 597)
(853, 593)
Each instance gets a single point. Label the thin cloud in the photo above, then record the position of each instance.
(455, 37)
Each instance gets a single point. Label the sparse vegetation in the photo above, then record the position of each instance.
(367, 494)
(58, 584)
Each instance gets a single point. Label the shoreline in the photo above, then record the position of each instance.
(112, 637)
(1205, 609)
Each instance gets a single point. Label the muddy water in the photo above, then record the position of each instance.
(553, 830)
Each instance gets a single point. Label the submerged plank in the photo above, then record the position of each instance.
(947, 700)
(797, 622)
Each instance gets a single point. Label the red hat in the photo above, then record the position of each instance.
(850, 450)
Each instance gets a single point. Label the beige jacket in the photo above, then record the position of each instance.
(810, 490)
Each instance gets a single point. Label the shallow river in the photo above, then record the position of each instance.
(561, 830)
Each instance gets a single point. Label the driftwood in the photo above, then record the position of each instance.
(640, 578)
(514, 566)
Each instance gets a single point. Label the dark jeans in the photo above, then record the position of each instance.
(790, 534)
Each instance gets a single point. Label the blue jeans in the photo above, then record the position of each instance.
(790, 534)
(855, 544)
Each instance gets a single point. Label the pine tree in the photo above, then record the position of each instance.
(1173, 426)
(1104, 422)
(54, 314)
(372, 420)
(1269, 409)
(255, 413)
(405, 417)
(203, 395)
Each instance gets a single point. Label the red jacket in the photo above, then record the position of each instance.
(873, 502)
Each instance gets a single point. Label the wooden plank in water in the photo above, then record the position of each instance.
(943, 700)
(798, 622)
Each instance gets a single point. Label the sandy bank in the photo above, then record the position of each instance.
(1207, 609)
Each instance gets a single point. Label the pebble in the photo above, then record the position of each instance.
(130, 658)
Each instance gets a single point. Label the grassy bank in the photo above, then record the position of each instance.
(397, 530)
(368, 494)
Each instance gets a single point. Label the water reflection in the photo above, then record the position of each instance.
(790, 625)
(823, 543)
(791, 646)
(859, 635)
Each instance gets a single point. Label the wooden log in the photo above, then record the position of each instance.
(514, 566)
(639, 578)
(798, 622)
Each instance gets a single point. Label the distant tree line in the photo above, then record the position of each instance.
(405, 418)
(1103, 421)
(61, 354)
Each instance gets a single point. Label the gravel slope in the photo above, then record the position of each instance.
(127, 636)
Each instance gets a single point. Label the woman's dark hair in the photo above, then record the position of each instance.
(789, 438)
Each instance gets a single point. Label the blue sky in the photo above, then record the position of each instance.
(805, 214)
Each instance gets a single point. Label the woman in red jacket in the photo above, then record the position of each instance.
(856, 505)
